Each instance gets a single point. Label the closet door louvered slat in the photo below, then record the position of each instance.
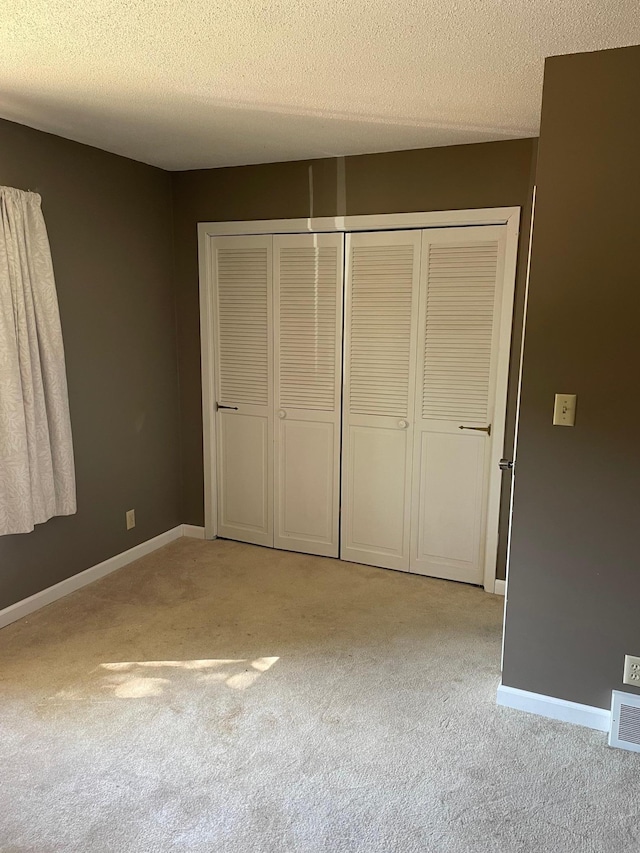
(460, 303)
(308, 272)
(242, 283)
(380, 353)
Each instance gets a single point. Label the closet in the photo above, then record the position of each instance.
(367, 436)
(421, 357)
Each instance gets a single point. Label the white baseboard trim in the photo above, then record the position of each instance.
(53, 593)
(193, 531)
(500, 587)
(555, 709)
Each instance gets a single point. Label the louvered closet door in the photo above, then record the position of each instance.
(242, 281)
(460, 303)
(308, 272)
(380, 354)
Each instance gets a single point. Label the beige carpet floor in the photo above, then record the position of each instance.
(216, 696)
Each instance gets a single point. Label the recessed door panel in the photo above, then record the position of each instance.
(306, 483)
(244, 483)
(451, 478)
(376, 489)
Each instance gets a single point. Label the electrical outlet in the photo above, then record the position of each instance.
(131, 519)
(631, 671)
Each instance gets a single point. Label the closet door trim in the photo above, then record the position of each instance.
(368, 222)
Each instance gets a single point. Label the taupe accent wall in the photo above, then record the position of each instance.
(574, 582)
(496, 174)
(110, 228)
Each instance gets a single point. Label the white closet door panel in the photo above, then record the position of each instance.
(379, 387)
(243, 291)
(375, 482)
(460, 308)
(308, 275)
(308, 272)
(243, 474)
(242, 281)
(460, 302)
(306, 511)
(450, 504)
(381, 296)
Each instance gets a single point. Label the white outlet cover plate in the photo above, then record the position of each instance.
(631, 670)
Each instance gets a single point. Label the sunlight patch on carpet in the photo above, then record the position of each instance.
(132, 679)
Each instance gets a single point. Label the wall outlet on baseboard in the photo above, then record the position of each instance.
(631, 670)
(131, 519)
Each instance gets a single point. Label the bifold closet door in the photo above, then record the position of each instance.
(458, 345)
(242, 284)
(308, 273)
(380, 357)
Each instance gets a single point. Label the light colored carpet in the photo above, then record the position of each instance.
(215, 696)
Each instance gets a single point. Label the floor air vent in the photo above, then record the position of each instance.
(625, 721)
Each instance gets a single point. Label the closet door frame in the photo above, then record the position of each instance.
(509, 216)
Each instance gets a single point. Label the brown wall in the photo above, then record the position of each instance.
(110, 228)
(496, 174)
(574, 580)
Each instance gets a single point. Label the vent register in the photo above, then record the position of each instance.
(625, 721)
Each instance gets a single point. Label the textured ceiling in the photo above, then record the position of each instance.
(186, 84)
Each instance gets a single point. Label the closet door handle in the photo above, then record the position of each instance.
(282, 414)
(403, 424)
(486, 429)
(218, 406)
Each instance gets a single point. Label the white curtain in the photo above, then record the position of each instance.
(37, 478)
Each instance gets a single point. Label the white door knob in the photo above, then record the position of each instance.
(282, 414)
(403, 424)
